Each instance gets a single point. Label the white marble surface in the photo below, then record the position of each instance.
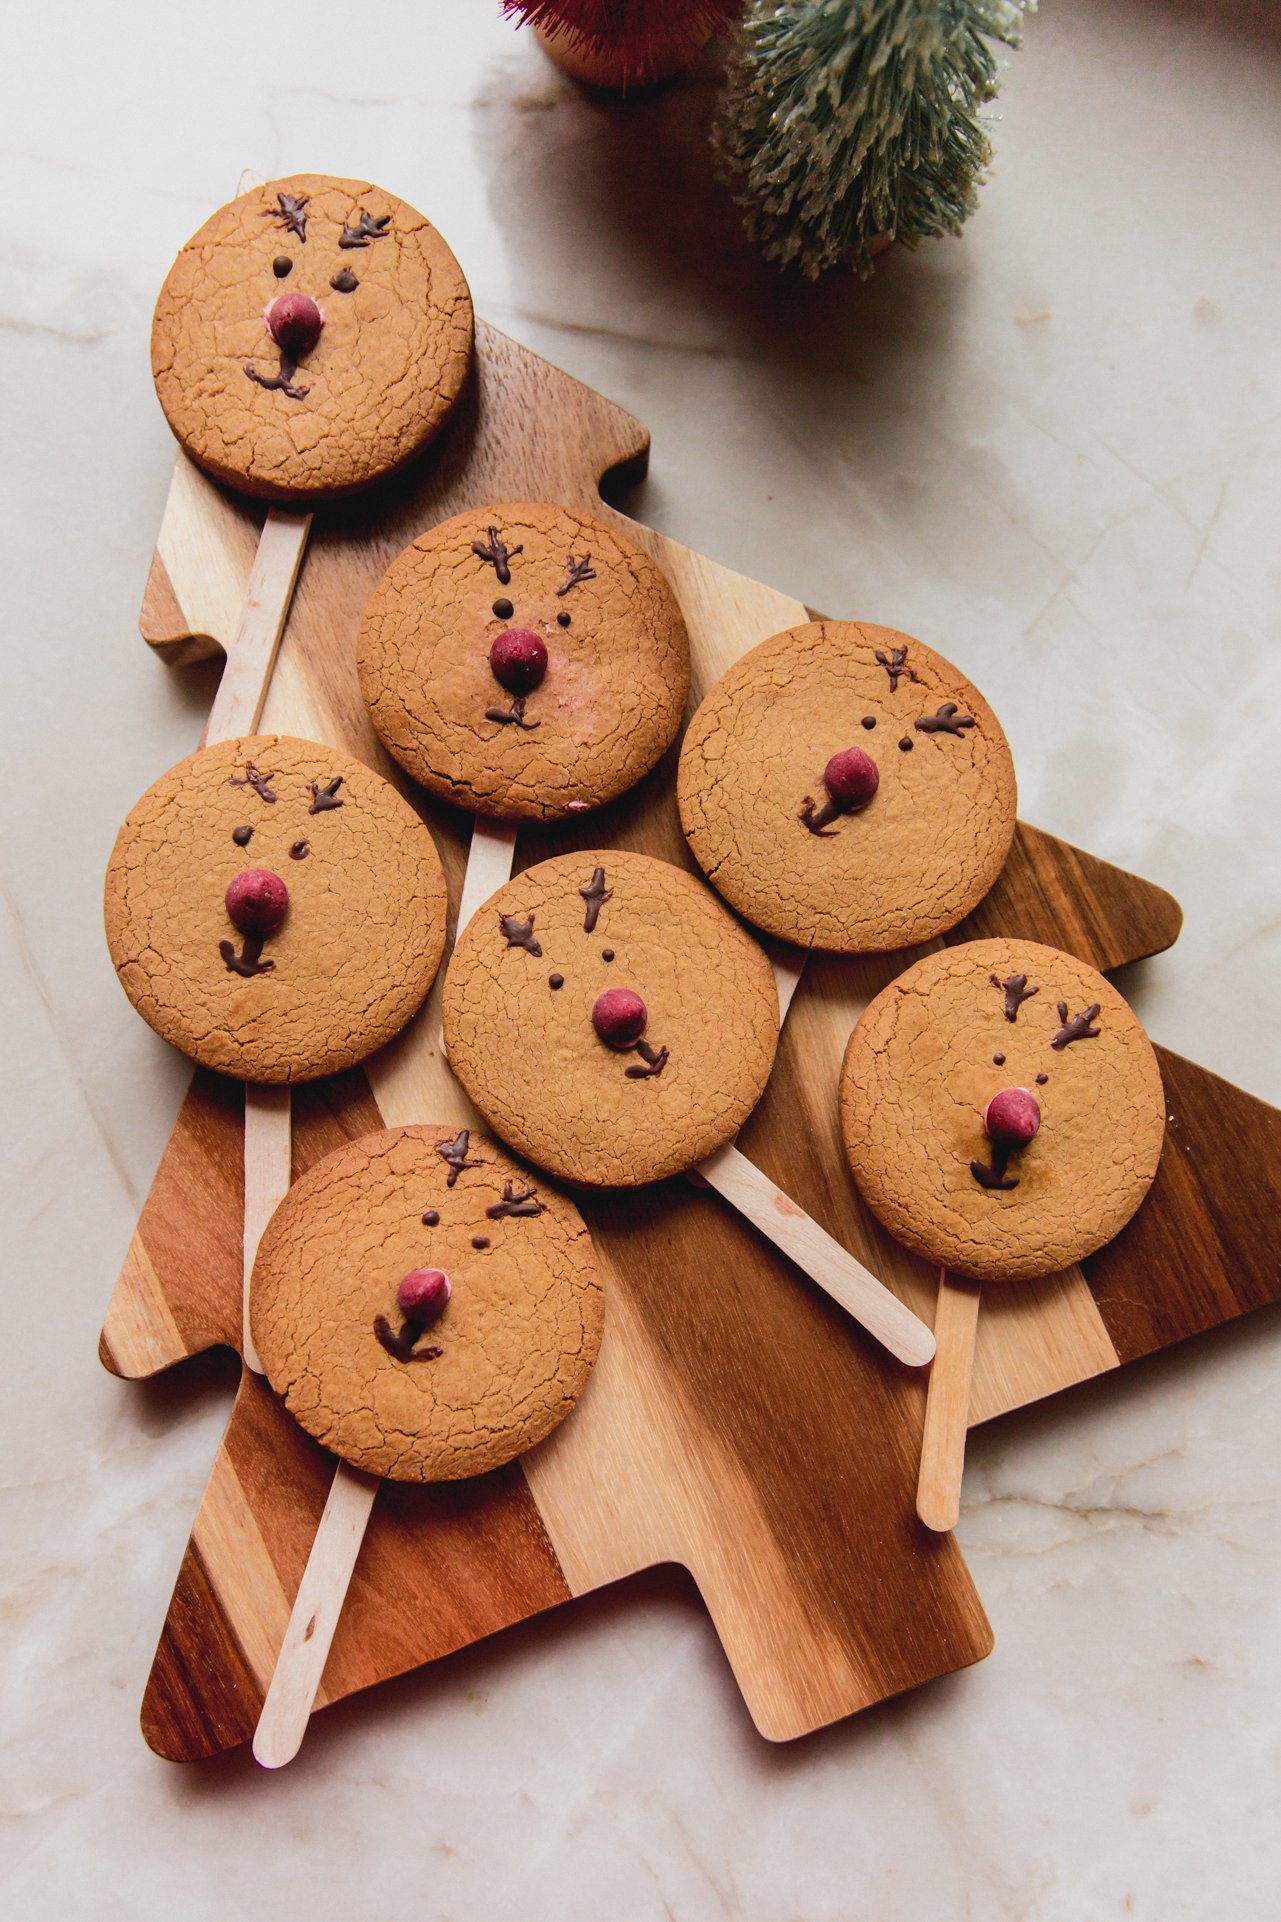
(1052, 449)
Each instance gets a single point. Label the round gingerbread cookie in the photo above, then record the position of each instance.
(1002, 1109)
(846, 788)
(609, 1018)
(425, 1309)
(524, 661)
(275, 909)
(311, 338)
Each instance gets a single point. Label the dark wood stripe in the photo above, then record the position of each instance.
(201, 1695)
(1204, 1246)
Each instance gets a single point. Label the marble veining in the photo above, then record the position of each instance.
(1054, 451)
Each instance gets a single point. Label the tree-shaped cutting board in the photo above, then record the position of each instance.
(737, 1423)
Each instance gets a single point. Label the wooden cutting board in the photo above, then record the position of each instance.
(737, 1423)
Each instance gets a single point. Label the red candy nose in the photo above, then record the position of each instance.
(851, 777)
(518, 658)
(422, 1294)
(294, 322)
(257, 901)
(619, 1017)
(1012, 1117)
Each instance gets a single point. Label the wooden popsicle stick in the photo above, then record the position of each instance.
(788, 965)
(317, 1607)
(236, 710)
(489, 864)
(489, 867)
(856, 1289)
(269, 590)
(268, 1157)
(947, 1403)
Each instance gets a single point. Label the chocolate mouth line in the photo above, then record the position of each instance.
(995, 1175)
(247, 962)
(402, 1345)
(655, 1060)
(283, 382)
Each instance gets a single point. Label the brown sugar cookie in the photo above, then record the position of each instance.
(1002, 1109)
(609, 1018)
(310, 338)
(524, 661)
(425, 1309)
(846, 788)
(275, 909)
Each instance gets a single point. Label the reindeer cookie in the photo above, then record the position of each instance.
(1002, 1109)
(310, 338)
(425, 1310)
(275, 909)
(846, 788)
(609, 1018)
(524, 661)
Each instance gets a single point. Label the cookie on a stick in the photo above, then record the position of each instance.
(427, 1312)
(1002, 1113)
(277, 911)
(846, 788)
(525, 662)
(614, 1023)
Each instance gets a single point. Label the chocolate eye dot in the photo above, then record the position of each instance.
(344, 281)
(905, 745)
(563, 620)
(607, 954)
(430, 1218)
(480, 1241)
(1041, 1080)
(281, 266)
(555, 980)
(998, 1060)
(299, 851)
(504, 610)
(869, 720)
(242, 836)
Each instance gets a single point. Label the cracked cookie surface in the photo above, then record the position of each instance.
(518, 1336)
(390, 362)
(918, 1074)
(518, 1004)
(906, 866)
(361, 940)
(617, 661)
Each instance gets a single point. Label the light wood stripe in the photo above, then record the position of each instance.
(139, 1336)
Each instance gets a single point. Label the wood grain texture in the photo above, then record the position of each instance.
(722, 1426)
(947, 1402)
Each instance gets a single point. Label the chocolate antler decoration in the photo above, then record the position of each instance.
(515, 1204)
(497, 554)
(288, 213)
(364, 231)
(324, 798)
(520, 934)
(895, 665)
(578, 571)
(946, 721)
(1016, 992)
(455, 1153)
(595, 894)
(258, 782)
(1078, 1028)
